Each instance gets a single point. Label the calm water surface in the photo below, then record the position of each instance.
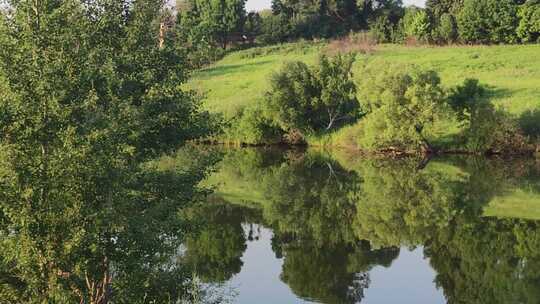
(410, 274)
(319, 227)
(274, 226)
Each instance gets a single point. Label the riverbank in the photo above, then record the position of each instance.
(512, 73)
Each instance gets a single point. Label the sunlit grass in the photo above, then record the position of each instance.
(239, 79)
(519, 203)
(512, 71)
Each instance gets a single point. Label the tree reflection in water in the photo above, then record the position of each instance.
(333, 221)
(136, 233)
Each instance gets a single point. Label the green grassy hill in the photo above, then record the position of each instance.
(513, 71)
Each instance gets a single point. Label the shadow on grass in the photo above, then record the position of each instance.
(230, 68)
(497, 93)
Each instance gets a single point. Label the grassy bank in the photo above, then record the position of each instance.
(512, 72)
(254, 178)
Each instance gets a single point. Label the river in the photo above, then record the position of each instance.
(289, 226)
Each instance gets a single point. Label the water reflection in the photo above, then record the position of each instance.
(335, 218)
(282, 226)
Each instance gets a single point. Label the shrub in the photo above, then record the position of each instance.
(253, 127)
(401, 33)
(312, 99)
(529, 122)
(403, 103)
(289, 101)
(275, 29)
(465, 98)
(337, 99)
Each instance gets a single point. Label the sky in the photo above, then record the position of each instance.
(257, 5)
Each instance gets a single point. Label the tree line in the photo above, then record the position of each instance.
(223, 22)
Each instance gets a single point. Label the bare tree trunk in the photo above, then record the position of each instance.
(427, 147)
(225, 42)
(331, 120)
(162, 30)
(100, 290)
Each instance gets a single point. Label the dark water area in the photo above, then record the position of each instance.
(331, 227)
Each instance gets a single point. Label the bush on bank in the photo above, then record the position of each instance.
(385, 107)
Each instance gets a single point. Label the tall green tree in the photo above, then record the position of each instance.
(325, 18)
(437, 8)
(488, 21)
(253, 25)
(420, 26)
(373, 9)
(529, 21)
(313, 99)
(219, 19)
(89, 92)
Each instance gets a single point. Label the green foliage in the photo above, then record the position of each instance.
(485, 127)
(403, 104)
(447, 29)
(289, 100)
(308, 19)
(200, 46)
(404, 27)
(253, 127)
(102, 79)
(215, 249)
(443, 14)
(420, 26)
(438, 8)
(275, 29)
(401, 205)
(466, 97)
(310, 197)
(477, 22)
(312, 99)
(469, 253)
(88, 94)
(381, 29)
(529, 21)
(219, 19)
(253, 25)
(491, 130)
(528, 122)
(241, 78)
(332, 275)
(488, 21)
